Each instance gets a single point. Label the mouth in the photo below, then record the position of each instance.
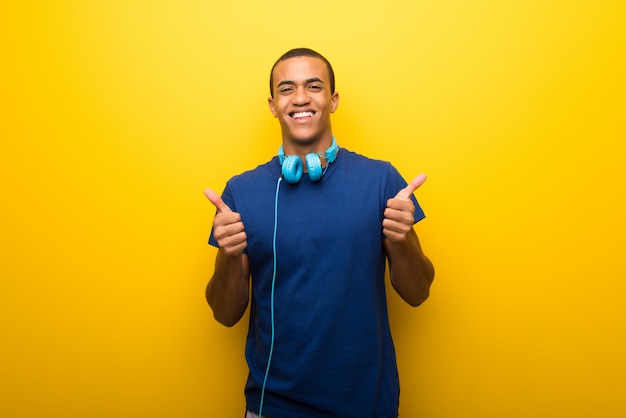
(301, 116)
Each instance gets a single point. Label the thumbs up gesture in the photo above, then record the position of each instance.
(398, 215)
(228, 228)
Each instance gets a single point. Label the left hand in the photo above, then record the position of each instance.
(398, 216)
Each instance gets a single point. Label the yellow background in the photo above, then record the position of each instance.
(115, 115)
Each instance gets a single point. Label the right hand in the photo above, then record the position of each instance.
(228, 229)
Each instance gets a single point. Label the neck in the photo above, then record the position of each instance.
(302, 147)
(326, 156)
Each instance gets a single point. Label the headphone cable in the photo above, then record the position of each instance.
(269, 360)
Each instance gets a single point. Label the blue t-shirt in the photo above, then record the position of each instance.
(333, 353)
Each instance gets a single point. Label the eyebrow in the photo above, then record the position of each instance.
(308, 81)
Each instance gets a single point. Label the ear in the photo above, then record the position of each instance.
(270, 102)
(334, 102)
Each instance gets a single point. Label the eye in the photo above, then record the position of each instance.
(285, 90)
(315, 87)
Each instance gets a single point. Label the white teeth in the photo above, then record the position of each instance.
(302, 115)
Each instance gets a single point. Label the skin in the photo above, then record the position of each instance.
(411, 271)
(301, 85)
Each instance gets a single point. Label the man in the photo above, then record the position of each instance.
(313, 228)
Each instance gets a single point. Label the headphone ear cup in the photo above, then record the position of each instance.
(292, 169)
(314, 165)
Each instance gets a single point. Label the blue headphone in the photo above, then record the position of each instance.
(292, 164)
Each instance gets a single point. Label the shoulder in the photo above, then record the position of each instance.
(379, 174)
(355, 158)
(266, 171)
(251, 185)
(367, 166)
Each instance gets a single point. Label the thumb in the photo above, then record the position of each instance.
(411, 187)
(217, 201)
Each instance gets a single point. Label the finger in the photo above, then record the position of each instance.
(411, 187)
(396, 229)
(217, 201)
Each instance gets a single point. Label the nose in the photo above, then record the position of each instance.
(300, 97)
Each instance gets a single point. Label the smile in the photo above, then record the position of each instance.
(301, 115)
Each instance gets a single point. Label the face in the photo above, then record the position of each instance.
(302, 101)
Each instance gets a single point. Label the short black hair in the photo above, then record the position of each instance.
(304, 52)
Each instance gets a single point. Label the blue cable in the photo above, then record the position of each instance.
(269, 359)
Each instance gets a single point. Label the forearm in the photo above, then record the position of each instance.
(411, 271)
(228, 290)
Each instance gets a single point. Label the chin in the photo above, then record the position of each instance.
(303, 139)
